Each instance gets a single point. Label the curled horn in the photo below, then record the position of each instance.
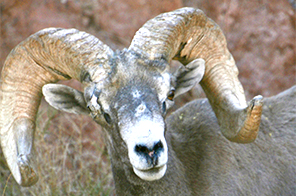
(46, 56)
(187, 34)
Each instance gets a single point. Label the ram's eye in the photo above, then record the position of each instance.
(86, 77)
(171, 95)
(88, 107)
(164, 107)
(107, 118)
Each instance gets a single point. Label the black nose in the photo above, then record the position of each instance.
(151, 154)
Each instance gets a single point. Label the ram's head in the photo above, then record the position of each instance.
(127, 92)
(130, 102)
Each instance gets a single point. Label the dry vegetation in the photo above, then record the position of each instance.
(72, 159)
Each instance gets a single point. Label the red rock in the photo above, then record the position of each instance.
(261, 35)
(262, 38)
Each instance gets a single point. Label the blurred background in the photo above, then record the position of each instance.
(70, 149)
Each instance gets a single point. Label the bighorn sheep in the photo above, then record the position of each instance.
(215, 166)
(128, 93)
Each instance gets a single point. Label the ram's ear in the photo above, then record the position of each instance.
(65, 98)
(187, 77)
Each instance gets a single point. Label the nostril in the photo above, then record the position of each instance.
(158, 147)
(151, 152)
(141, 149)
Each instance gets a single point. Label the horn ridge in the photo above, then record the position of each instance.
(186, 34)
(47, 56)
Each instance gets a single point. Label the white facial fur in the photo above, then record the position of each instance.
(164, 84)
(145, 127)
(145, 132)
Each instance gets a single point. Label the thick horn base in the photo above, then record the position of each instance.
(248, 123)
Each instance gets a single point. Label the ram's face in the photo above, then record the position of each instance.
(135, 112)
(130, 101)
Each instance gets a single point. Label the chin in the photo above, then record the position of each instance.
(152, 174)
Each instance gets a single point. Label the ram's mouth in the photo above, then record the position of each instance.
(152, 174)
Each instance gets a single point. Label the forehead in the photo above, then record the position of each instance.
(140, 82)
(135, 102)
(136, 75)
(134, 78)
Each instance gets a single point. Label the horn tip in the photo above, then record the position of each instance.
(250, 128)
(28, 175)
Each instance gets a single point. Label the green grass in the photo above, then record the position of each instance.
(71, 156)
